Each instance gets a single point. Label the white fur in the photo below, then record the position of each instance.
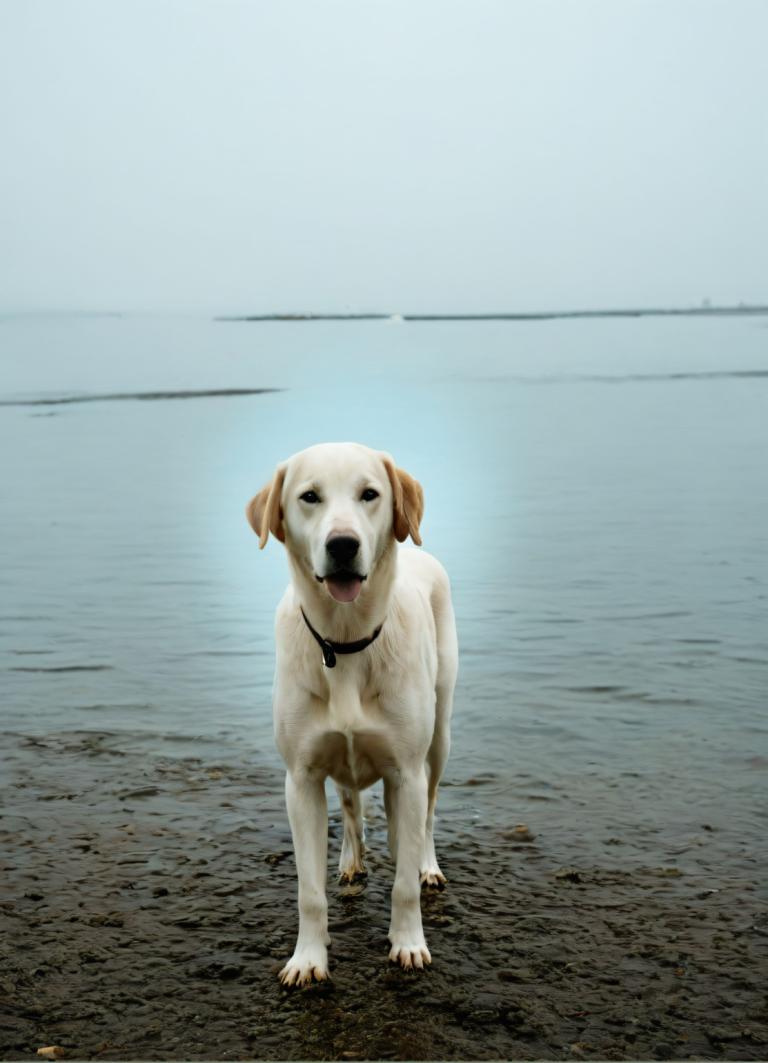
(382, 713)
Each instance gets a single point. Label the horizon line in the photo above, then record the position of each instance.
(745, 309)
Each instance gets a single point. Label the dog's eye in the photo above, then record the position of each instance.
(368, 495)
(309, 496)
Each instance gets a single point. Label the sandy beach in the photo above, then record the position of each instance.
(147, 903)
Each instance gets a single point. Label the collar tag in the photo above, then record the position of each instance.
(329, 657)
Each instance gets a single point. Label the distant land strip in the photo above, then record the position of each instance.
(546, 315)
(141, 396)
(713, 374)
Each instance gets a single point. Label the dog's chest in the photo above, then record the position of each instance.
(352, 738)
(354, 759)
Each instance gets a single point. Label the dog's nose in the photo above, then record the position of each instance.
(342, 548)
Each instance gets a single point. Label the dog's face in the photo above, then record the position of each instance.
(337, 507)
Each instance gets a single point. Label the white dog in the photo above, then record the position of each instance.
(366, 666)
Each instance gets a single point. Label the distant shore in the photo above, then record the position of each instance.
(545, 315)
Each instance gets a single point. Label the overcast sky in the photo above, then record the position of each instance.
(407, 155)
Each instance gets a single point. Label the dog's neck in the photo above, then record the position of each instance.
(347, 621)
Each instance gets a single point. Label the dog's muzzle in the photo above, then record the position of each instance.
(342, 581)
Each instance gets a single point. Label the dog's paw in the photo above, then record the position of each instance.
(348, 875)
(305, 966)
(432, 878)
(409, 955)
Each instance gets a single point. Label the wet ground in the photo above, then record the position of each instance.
(148, 901)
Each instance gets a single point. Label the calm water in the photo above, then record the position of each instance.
(596, 489)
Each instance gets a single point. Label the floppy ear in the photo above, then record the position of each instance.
(408, 502)
(264, 512)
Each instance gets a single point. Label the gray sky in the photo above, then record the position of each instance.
(408, 155)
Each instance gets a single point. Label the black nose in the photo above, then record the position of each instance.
(342, 548)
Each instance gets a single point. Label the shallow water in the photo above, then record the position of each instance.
(596, 490)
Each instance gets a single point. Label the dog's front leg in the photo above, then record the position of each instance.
(308, 815)
(409, 809)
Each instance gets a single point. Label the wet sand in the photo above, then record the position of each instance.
(147, 902)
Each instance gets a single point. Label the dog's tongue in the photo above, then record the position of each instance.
(344, 590)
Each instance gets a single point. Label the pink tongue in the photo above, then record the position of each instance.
(344, 590)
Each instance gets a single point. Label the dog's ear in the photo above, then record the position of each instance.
(407, 502)
(265, 512)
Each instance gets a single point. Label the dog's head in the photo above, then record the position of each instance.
(337, 507)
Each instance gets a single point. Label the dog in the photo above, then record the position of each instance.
(366, 665)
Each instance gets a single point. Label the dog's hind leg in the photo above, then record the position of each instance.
(351, 865)
(447, 653)
(430, 874)
(389, 809)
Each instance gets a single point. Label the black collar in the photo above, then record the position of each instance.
(330, 649)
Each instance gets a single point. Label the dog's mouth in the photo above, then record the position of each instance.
(343, 586)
